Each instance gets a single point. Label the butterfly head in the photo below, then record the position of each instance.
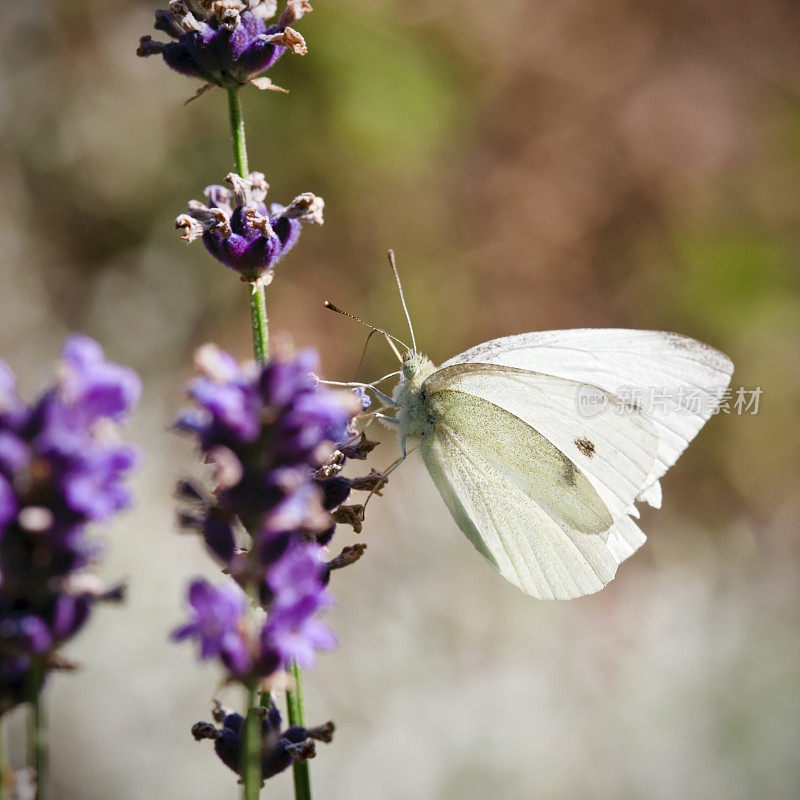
(411, 366)
(416, 368)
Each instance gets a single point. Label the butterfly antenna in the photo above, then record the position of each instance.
(364, 352)
(389, 338)
(393, 265)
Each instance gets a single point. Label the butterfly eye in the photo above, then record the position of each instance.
(410, 368)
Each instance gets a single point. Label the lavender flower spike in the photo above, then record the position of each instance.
(239, 231)
(271, 433)
(226, 43)
(59, 471)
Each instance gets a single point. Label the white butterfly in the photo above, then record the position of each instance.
(543, 486)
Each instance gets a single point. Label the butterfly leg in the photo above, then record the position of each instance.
(356, 384)
(384, 398)
(386, 473)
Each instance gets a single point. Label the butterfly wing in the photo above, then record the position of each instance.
(521, 501)
(680, 379)
(616, 450)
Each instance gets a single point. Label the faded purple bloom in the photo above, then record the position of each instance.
(59, 470)
(294, 633)
(219, 623)
(239, 231)
(279, 748)
(226, 43)
(13, 409)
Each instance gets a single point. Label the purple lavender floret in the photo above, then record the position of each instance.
(222, 627)
(59, 471)
(296, 585)
(227, 403)
(226, 43)
(240, 231)
(219, 625)
(279, 748)
(268, 431)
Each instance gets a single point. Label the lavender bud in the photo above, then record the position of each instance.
(279, 748)
(225, 43)
(241, 233)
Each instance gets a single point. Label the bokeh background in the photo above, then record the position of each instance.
(536, 164)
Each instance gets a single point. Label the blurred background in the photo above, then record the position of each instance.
(536, 164)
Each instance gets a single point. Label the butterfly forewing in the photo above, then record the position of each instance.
(675, 380)
(615, 451)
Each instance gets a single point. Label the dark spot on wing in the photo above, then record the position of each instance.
(680, 342)
(585, 446)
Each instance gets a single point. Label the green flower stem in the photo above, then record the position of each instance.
(294, 703)
(259, 323)
(37, 736)
(294, 697)
(251, 774)
(237, 132)
(258, 306)
(251, 768)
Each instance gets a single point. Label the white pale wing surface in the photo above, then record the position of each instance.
(521, 501)
(616, 451)
(676, 381)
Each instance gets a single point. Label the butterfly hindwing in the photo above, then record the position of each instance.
(521, 501)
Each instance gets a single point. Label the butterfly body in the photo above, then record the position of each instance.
(416, 417)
